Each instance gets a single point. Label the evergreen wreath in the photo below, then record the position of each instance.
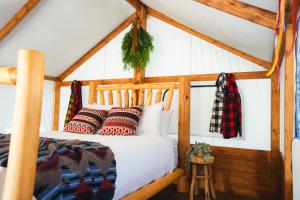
(139, 57)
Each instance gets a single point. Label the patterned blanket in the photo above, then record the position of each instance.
(70, 169)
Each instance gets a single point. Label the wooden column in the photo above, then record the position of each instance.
(275, 137)
(56, 106)
(139, 75)
(20, 176)
(183, 128)
(92, 92)
(288, 113)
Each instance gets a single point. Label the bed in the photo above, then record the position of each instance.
(133, 171)
(155, 157)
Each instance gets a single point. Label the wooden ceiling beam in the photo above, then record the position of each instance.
(17, 18)
(163, 17)
(136, 4)
(243, 10)
(97, 47)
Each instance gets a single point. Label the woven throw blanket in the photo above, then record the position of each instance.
(70, 169)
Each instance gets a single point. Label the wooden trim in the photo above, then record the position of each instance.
(100, 82)
(51, 78)
(243, 10)
(56, 106)
(253, 59)
(275, 137)
(183, 127)
(97, 47)
(20, 175)
(166, 79)
(288, 113)
(17, 18)
(151, 189)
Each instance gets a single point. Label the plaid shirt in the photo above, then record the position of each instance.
(232, 110)
(216, 118)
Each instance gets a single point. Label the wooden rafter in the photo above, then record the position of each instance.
(17, 18)
(243, 10)
(136, 4)
(163, 17)
(97, 47)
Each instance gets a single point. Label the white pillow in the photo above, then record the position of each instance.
(165, 121)
(150, 120)
(99, 107)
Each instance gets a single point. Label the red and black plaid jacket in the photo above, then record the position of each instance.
(232, 110)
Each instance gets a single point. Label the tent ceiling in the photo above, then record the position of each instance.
(8, 8)
(65, 30)
(246, 36)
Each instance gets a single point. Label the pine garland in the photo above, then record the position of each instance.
(141, 56)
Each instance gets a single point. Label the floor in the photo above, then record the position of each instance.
(170, 193)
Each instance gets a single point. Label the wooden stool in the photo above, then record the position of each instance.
(208, 181)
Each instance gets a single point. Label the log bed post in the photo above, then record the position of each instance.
(92, 92)
(20, 176)
(183, 128)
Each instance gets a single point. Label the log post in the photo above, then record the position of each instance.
(20, 176)
(183, 128)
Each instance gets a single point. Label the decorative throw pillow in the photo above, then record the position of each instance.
(86, 121)
(121, 121)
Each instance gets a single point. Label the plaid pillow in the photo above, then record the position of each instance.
(121, 121)
(86, 121)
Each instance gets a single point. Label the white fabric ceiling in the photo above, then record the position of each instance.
(246, 36)
(65, 30)
(8, 8)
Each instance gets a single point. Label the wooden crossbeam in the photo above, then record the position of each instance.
(97, 47)
(17, 18)
(8, 75)
(243, 10)
(163, 17)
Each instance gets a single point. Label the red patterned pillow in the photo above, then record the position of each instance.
(86, 121)
(121, 121)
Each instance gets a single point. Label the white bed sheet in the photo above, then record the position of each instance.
(140, 159)
(296, 168)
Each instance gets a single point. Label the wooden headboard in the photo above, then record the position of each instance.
(132, 94)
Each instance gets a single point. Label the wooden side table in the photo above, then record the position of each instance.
(207, 176)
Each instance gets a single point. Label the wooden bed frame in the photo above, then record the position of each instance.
(132, 95)
(20, 175)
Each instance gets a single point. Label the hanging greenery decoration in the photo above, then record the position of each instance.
(137, 45)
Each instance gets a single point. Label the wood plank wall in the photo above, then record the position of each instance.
(243, 172)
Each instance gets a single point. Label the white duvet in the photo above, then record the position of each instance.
(140, 159)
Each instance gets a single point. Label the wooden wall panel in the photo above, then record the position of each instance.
(244, 172)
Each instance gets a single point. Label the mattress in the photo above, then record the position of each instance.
(140, 159)
(296, 168)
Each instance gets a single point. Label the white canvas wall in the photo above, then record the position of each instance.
(7, 96)
(177, 53)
